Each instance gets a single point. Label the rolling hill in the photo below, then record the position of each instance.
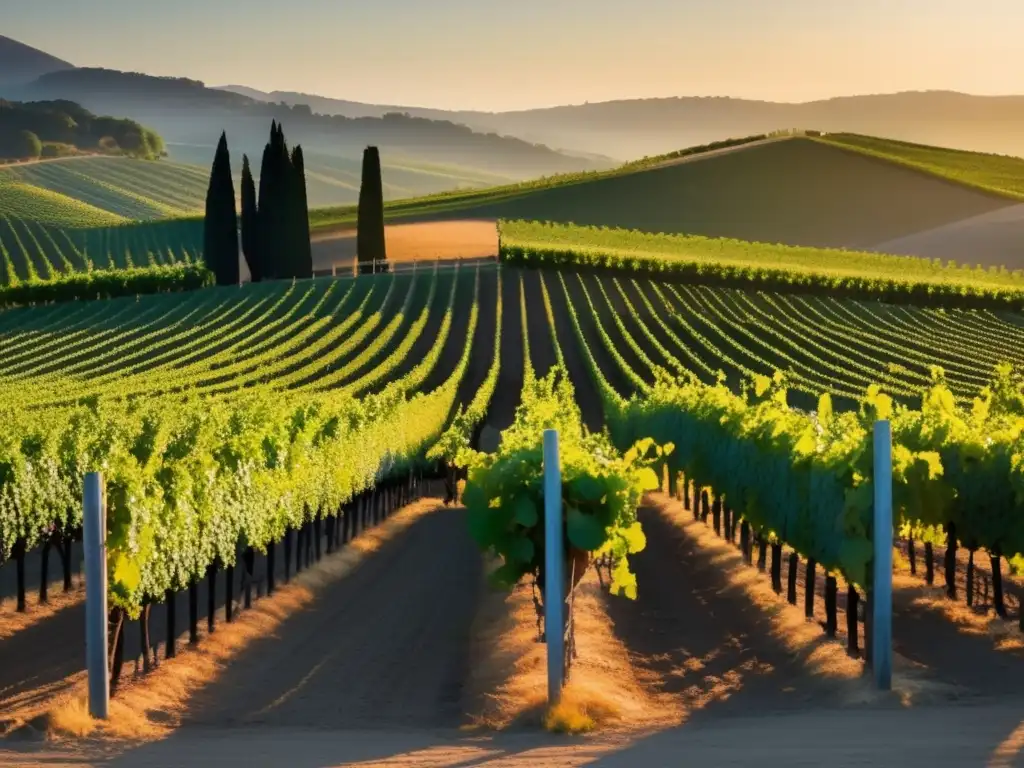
(20, 63)
(998, 173)
(186, 112)
(840, 191)
(795, 191)
(138, 189)
(130, 189)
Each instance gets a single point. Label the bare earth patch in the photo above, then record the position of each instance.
(1003, 634)
(428, 241)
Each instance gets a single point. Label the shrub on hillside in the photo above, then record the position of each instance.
(19, 145)
(28, 145)
(56, 149)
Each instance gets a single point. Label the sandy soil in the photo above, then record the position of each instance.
(990, 239)
(445, 240)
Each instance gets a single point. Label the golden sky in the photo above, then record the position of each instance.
(480, 54)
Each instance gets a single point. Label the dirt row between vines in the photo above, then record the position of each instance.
(396, 651)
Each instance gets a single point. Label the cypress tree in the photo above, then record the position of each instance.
(275, 218)
(249, 222)
(370, 216)
(302, 249)
(370, 241)
(284, 256)
(265, 229)
(220, 226)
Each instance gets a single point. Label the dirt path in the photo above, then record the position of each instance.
(427, 241)
(702, 644)
(957, 652)
(385, 647)
(948, 737)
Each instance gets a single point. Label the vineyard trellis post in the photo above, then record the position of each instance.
(94, 538)
(554, 568)
(881, 599)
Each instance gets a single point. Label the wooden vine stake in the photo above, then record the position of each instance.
(881, 599)
(554, 568)
(95, 540)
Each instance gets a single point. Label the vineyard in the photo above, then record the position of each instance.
(239, 426)
(326, 345)
(30, 249)
(137, 190)
(63, 217)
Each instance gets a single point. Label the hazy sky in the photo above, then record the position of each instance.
(484, 54)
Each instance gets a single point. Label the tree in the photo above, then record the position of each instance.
(264, 223)
(302, 249)
(249, 222)
(274, 216)
(220, 227)
(370, 217)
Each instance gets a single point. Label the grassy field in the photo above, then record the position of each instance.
(1001, 174)
(795, 191)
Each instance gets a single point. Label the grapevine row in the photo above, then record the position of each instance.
(188, 478)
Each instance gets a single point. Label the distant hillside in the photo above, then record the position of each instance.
(62, 127)
(187, 112)
(635, 127)
(794, 191)
(145, 190)
(20, 63)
